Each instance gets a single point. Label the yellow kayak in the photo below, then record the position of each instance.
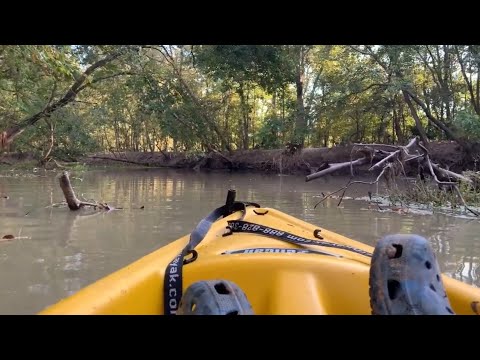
(282, 264)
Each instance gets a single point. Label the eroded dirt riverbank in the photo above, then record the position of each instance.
(447, 154)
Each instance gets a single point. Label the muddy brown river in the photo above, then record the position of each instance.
(57, 251)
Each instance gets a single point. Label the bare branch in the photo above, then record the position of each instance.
(372, 54)
(448, 173)
(412, 142)
(473, 100)
(354, 182)
(429, 115)
(463, 201)
(379, 145)
(414, 157)
(449, 183)
(425, 62)
(444, 172)
(392, 164)
(336, 166)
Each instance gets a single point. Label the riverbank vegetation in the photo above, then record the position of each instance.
(282, 108)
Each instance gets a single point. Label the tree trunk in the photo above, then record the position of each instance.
(418, 123)
(148, 139)
(66, 186)
(244, 120)
(397, 127)
(274, 103)
(474, 99)
(52, 141)
(382, 130)
(448, 132)
(477, 91)
(253, 119)
(300, 124)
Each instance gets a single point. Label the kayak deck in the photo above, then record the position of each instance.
(275, 276)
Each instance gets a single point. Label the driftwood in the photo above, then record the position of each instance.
(370, 155)
(392, 164)
(396, 155)
(72, 201)
(330, 168)
(350, 182)
(75, 203)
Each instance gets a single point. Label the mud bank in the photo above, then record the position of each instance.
(447, 154)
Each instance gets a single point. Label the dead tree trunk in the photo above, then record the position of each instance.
(70, 198)
(72, 201)
(330, 168)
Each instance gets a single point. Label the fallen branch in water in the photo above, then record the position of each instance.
(330, 168)
(450, 184)
(350, 182)
(72, 201)
(371, 155)
(403, 150)
(392, 164)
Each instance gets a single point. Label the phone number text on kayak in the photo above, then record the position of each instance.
(239, 226)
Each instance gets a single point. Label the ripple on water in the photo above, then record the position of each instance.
(67, 250)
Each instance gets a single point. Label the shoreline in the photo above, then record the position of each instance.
(446, 154)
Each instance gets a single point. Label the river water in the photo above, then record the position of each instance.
(57, 251)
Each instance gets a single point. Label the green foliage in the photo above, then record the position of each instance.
(192, 98)
(469, 124)
(266, 65)
(269, 135)
(74, 137)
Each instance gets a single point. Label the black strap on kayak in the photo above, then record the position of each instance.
(172, 281)
(248, 227)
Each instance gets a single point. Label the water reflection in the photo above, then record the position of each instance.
(64, 251)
